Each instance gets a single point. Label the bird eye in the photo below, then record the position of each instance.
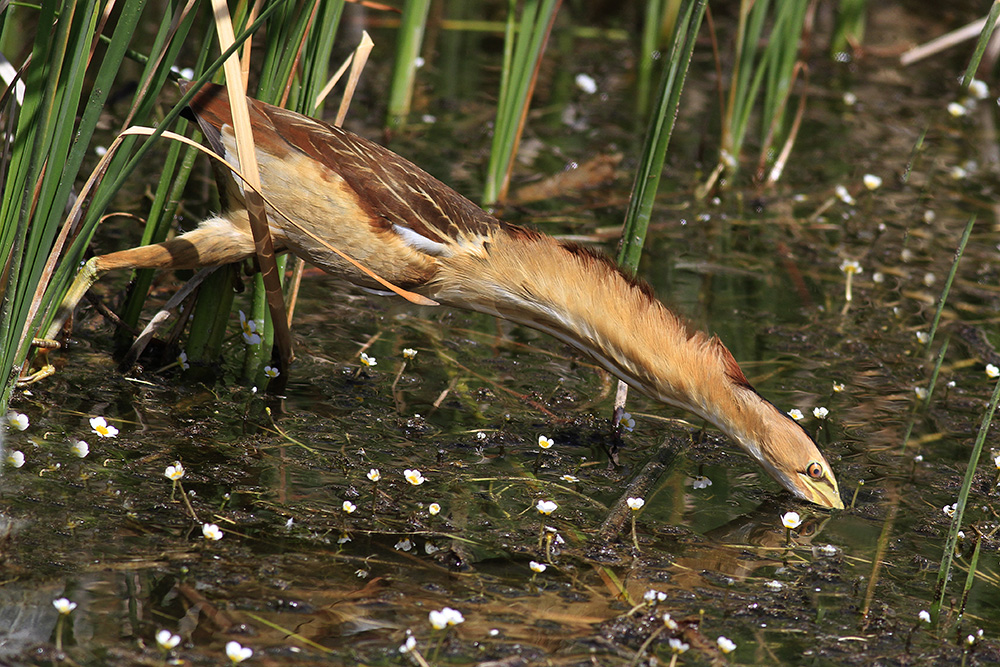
(815, 470)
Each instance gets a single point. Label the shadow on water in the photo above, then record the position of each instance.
(320, 564)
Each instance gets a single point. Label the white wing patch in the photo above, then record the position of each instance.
(420, 242)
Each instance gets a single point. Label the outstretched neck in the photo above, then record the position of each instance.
(585, 301)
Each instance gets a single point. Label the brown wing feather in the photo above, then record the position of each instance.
(393, 190)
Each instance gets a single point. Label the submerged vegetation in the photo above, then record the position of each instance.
(438, 488)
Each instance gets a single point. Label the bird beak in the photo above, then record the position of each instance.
(823, 491)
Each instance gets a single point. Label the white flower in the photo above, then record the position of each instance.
(80, 448)
(872, 182)
(700, 482)
(950, 510)
(775, 585)
(626, 422)
(447, 616)
(174, 472)
(249, 327)
(182, 360)
(820, 413)
(921, 392)
(838, 387)
(843, 195)
(850, 99)
(996, 461)
(546, 506)
(374, 475)
(271, 372)
(924, 616)
(970, 640)
(979, 90)
(929, 279)
(434, 509)
(570, 478)
(16, 458)
(368, 361)
(414, 477)
(238, 653)
(409, 353)
(102, 427)
(17, 420)
(408, 645)
(403, 545)
(796, 414)
(992, 371)
(677, 646)
(538, 567)
(791, 520)
(211, 532)
(349, 507)
(167, 640)
(635, 504)
(63, 605)
(828, 550)
(956, 109)
(923, 337)
(670, 623)
(726, 645)
(957, 173)
(586, 83)
(545, 442)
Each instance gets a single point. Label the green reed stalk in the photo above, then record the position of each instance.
(970, 578)
(944, 571)
(951, 278)
(850, 27)
(661, 125)
(984, 39)
(409, 42)
(524, 45)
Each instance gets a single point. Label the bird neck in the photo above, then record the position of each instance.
(581, 298)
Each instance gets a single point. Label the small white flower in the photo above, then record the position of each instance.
(878, 277)
(434, 509)
(626, 422)
(538, 567)
(349, 507)
(167, 640)
(174, 472)
(775, 585)
(409, 353)
(921, 392)
(16, 458)
(545, 442)
(374, 475)
(929, 279)
(828, 550)
(838, 387)
(368, 361)
(480, 435)
(677, 646)
(586, 83)
(957, 110)
(271, 372)
(958, 173)
(700, 482)
(923, 337)
(182, 361)
(850, 99)
(414, 477)
(238, 653)
(843, 195)
(250, 335)
(872, 182)
(979, 89)
(970, 640)
(726, 645)
(570, 478)
(821, 413)
(102, 427)
(796, 414)
(919, 458)
(17, 420)
(635, 504)
(791, 520)
(447, 616)
(403, 545)
(996, 461)
(992, 371)
(851, 266)
(546, 506)
(64, 606)
(949, 510)
(924, 616)
(670, 623)
(80, 448)
(408, 645)
(211, 532)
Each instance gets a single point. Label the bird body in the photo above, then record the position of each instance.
(328, 188)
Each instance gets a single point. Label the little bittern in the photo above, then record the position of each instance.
(337, 189)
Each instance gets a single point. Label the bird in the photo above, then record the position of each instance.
(337, 190)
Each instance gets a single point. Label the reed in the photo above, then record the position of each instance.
(411, 36)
